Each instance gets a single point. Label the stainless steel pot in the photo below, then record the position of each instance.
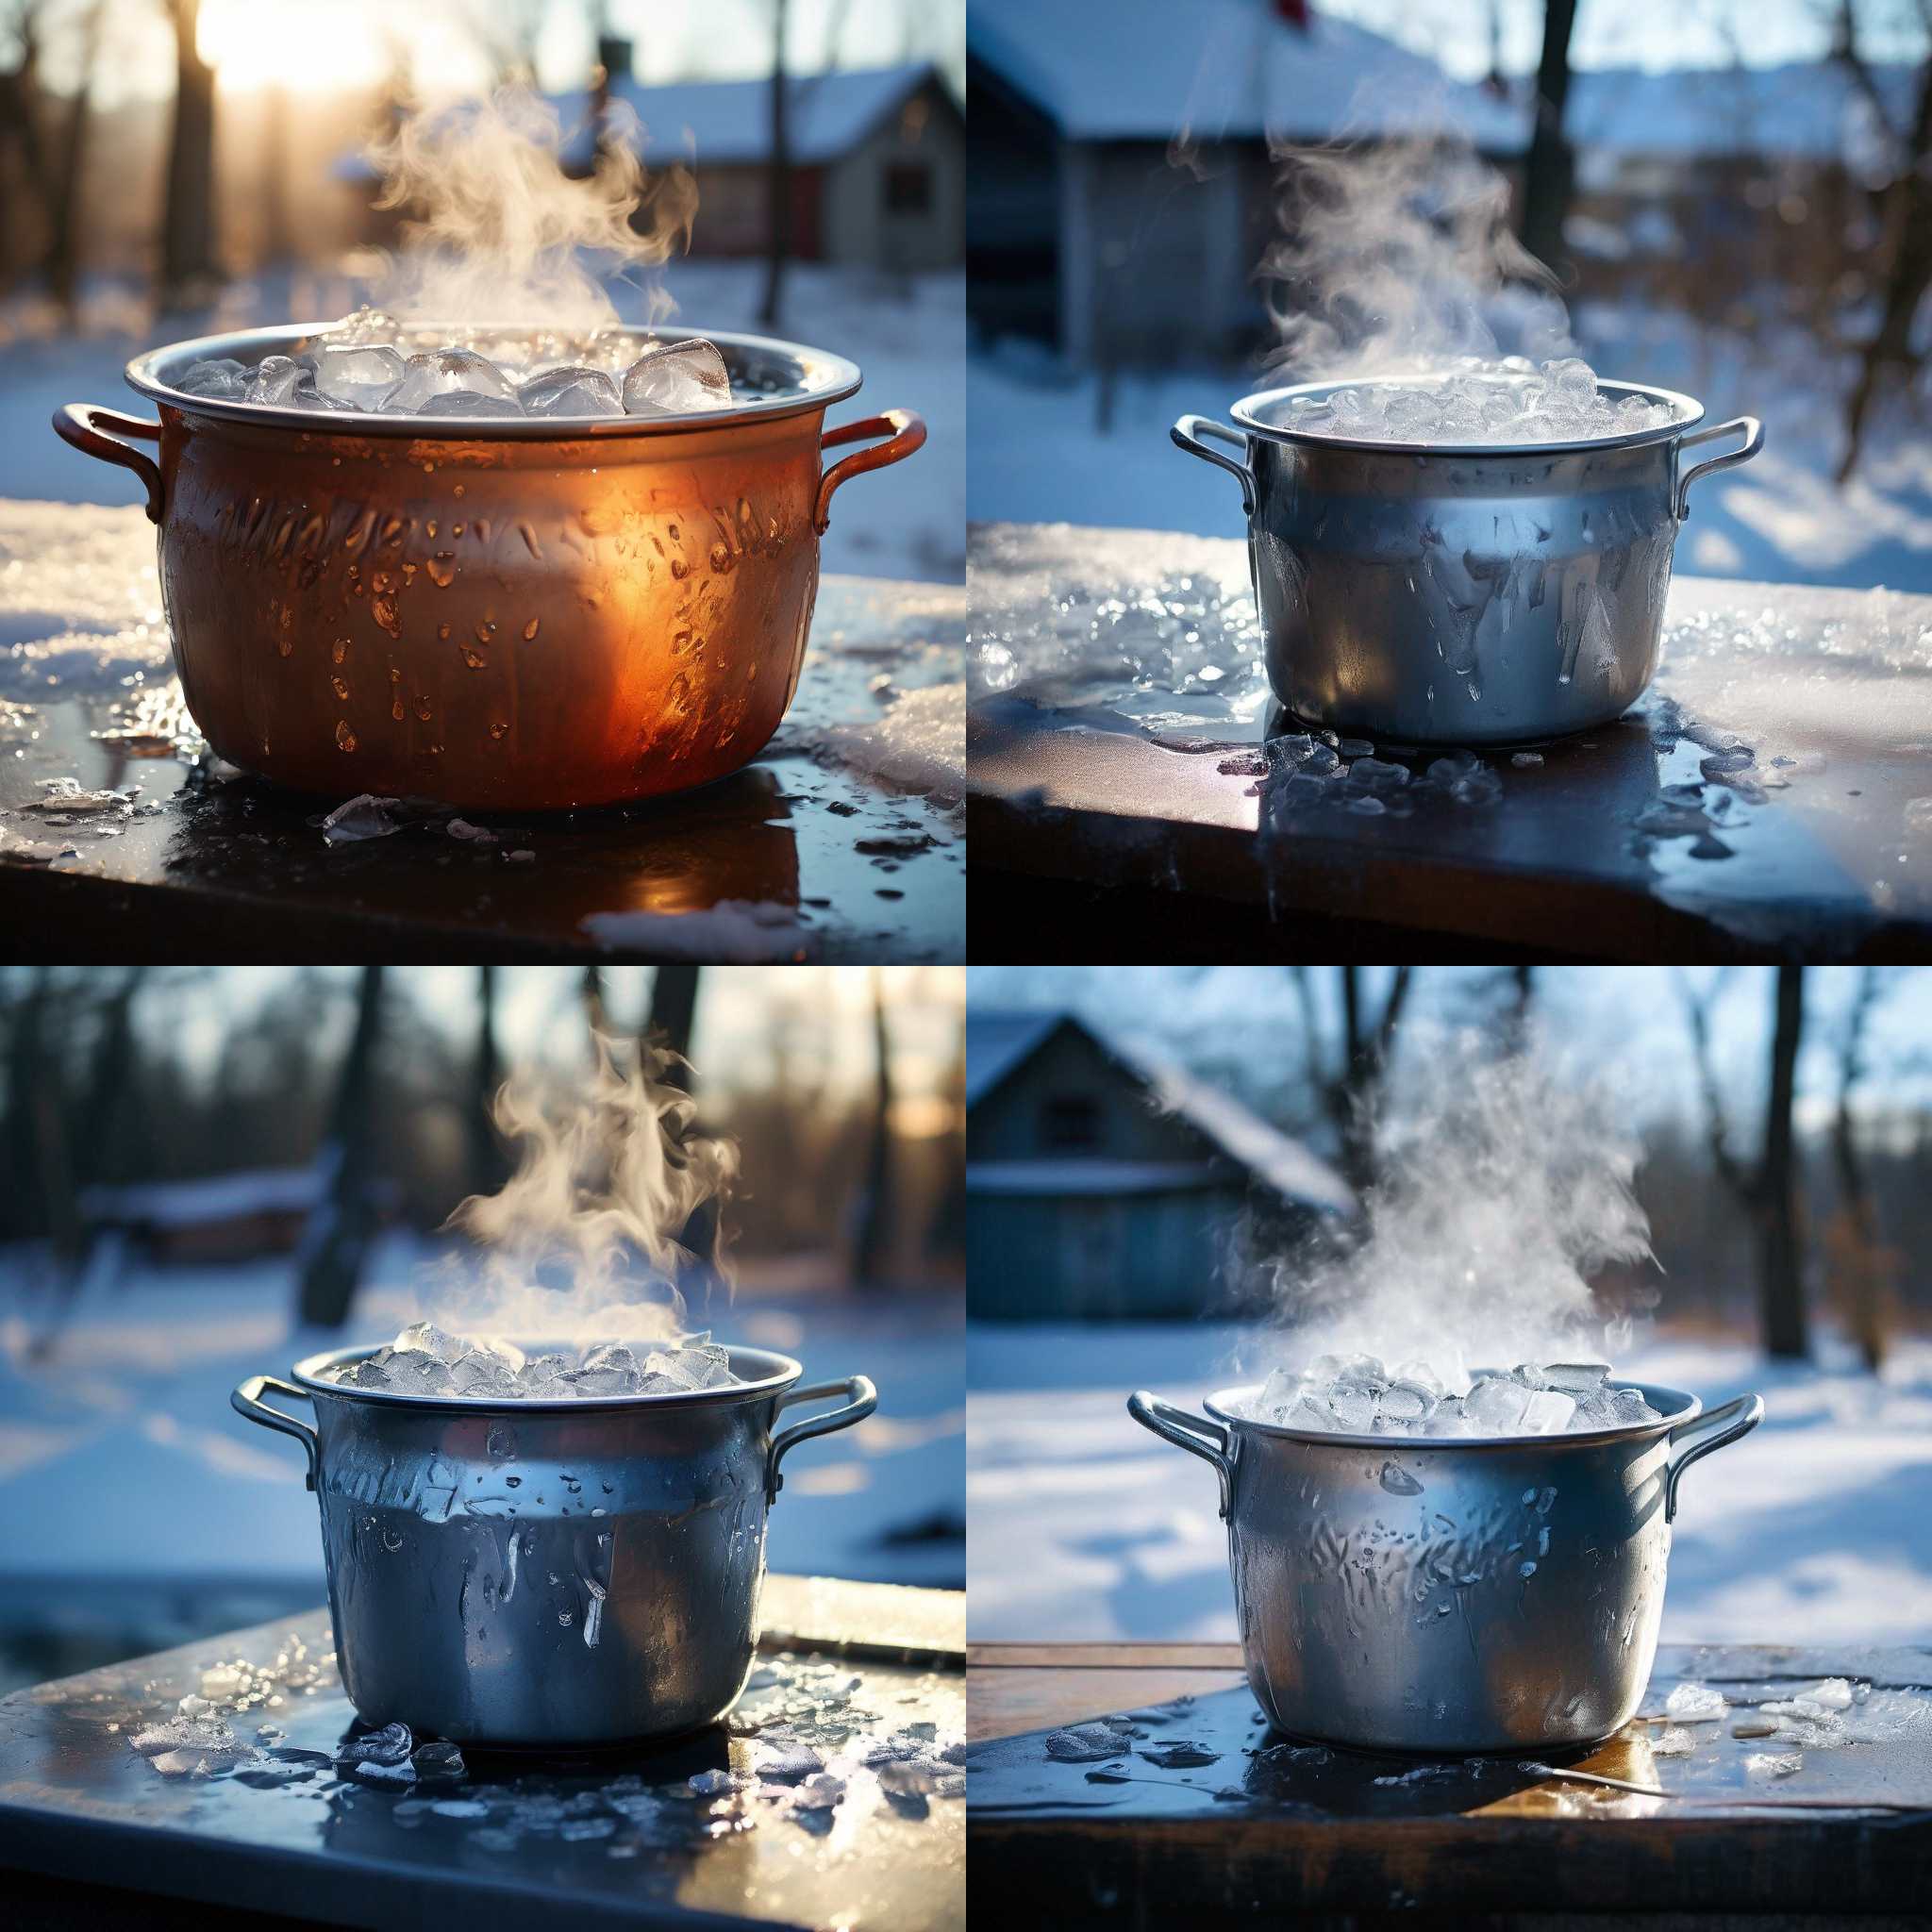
(1441, 595)
(548, 1574)
(519, 615)
(1442, 1596)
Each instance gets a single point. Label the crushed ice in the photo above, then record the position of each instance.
(424, 1360)
(1511, 401)
(368, 365)
(1357, 1395)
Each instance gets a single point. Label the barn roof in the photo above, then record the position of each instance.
(1147, 70)
(998, 1042)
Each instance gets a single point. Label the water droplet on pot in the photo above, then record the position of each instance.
(344, 737)
(530, 629)
(392, 1540)
(722, 558)
(498, 730)
(339, 649)
(341, 686)
(1398, 1481)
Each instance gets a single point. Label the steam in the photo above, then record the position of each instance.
(583, 1241)
(503, 235)
(1506, 1187)
(1399, 259)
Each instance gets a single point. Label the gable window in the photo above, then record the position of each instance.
(1069, 1120)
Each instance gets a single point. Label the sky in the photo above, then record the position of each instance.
(1624, 1026)
(1637, 33)
(338, 45)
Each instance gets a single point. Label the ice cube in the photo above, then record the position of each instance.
(570, 390)
(1576, 1378)
(786, 1764)
(1695, 1704)
(463, 402)
(391, 1744)
(1547, 1412)
(1497, 1403)
(674, 378)
(447, 373)
(1355, 1407)
(544, 1374)
(438, 1758)
(716, 1784)
(819, 1792)
(1178, 1755)
(1279, 1393)
(1409, 1401)
(1674, 1741)
(1834, 1694)
(1765, 1765)
(1628, 1406)
(430, 1339)
(365, 816)
(366, 324)
(274, 379)
(221, 378)
(363, 378)
(480, 1372)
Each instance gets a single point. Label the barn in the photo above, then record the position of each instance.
(1103, 1186)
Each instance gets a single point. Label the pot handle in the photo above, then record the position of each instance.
(864, 1399)
(1188, 433)
(907, 433)
(1186, 1431)
(247, 1401)
(1704, 1433)
(86, 426)
(1754, 442)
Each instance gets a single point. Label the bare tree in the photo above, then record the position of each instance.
(1765, 1188)
(1862, 1266)
(1904, 213)
(486, 1164)
(335, 1243)
(22, 25)
(63, 241)
(1550, 166)
(188, 256)
(871, 1249)
(673, 1009)
(1349, 1088)
(777, 181)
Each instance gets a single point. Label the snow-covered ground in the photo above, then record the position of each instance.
(1081, 1525)
(1038, 453)
(908, 334)
(135, 1499)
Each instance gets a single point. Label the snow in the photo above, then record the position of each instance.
(905, 332)
(1218, 69)
(222, 1198)
(129, 1486)
(917, 744)
(1780, 518)
(739, 932)
(1817, 1528)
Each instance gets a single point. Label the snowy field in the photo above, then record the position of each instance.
(907, 334)
(137, 1502)
(1778, 519)
(1817, 1528)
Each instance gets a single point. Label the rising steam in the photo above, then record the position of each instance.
(1398, 258)
(585, 1240)
(1506, 1187)
(499, 233)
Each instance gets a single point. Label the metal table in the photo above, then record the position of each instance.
(1270, 1827)
(1771, 794)
(817, 850)
(90, 1829)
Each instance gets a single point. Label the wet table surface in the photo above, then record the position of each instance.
(1269, 1824)
(525, 1841)
(1771, 792)
(843, 840)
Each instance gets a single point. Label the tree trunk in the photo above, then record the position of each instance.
(872, 1251)
(1548, 170)
(63, 245)
(486, 1160)
(337, 1240)
(777, 181)
(1780, 1278)
(674, 1011)
(187, 226)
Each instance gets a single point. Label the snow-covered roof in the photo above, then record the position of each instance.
(1148, 70)
(998, 1042)
(1091, 1176)
(1816, 111)
(219, 1197)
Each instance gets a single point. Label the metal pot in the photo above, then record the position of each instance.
(1444, 594)
(1443, 1596)
(513, 616)
(548, 1574)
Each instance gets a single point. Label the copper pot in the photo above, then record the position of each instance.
(519, 616)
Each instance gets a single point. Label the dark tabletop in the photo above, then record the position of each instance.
(1771, 793)
(529, 1842)
(839, 842)
(1729, 1819)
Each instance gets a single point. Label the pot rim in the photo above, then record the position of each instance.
(826, 378)
(778, 1372)
(1687, 410)
(1680, 1407)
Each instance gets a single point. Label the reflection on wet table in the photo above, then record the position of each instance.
(236, 1773)
(843, 840)
(1773, 788)
(1755, 1778)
